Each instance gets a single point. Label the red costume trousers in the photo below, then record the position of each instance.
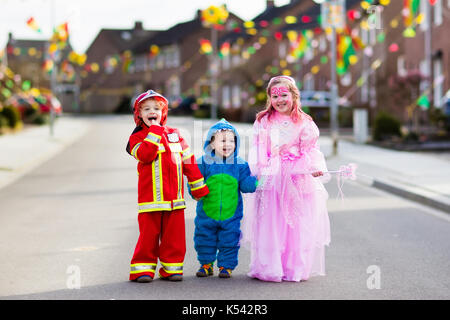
(162, 235)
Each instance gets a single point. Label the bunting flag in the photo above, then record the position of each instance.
(299, 45)
(127, 60)
(214, 16)
(61, 33)
(356, 40)
(423, 102)
(409, 12)
(205, 46)
(346, 53)
(48, 65)
(224, 49)
(33, 25)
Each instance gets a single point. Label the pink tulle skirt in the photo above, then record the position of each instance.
(286, 224)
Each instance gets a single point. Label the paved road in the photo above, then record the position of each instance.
(76, 214)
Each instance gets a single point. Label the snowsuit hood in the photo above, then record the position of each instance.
(218, 126)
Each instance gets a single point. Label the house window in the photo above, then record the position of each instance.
(236, 60)
(437, 82)
(282, 50)
(322, 44)
(141, 63)
(173, 88)
(226, 97)
(365, 36)
(226, 62)
(172, 57)
(424, 72)
(309, 54)
(308, 83)
(152, 63)
(365, 87)
(438, 13)
(236, 96)
(401, 70)
(424, 24)
(373, 36)
(160, 61)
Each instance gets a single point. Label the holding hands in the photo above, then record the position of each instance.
(317, 174)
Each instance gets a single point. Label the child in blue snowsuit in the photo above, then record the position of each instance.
(219, 214)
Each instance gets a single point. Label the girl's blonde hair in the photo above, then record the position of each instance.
(297, 112)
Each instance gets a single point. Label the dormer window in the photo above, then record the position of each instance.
(126, 35)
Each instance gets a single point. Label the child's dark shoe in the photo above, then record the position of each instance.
(144, 279)
(172, 277)
(224, 273)
(205, 270)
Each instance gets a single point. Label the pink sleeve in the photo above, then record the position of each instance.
(258, 157)
(310, 145)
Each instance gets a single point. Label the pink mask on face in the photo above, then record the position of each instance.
(277, 91)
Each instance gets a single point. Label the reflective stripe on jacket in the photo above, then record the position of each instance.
(163, 158)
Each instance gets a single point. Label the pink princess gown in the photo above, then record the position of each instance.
(286, 222)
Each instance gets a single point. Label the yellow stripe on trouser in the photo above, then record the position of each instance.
(172, 267)
(142, 267)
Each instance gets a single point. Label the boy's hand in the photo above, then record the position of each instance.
(317, 174)
(197, 199)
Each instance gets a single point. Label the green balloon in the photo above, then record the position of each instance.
(26, 85)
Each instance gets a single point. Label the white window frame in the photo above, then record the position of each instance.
(422, 9)
(322, 43)
(401, 70)
(282, 50)
(174, 88)
(437, 8)
(226, 62)
(236, 60)
(365, 87)
(226, 102)
(438, 91)
(141, 63)
(308, 82)
(236, 96)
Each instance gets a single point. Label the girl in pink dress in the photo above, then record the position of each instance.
(286, 221)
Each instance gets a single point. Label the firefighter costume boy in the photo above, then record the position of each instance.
(163, 157)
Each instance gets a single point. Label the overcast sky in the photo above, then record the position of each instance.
(87, 17)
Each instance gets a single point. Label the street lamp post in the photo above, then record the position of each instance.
(334, 95)
(333, 17)
(213, 70)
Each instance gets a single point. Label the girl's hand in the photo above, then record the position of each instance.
(317, 174)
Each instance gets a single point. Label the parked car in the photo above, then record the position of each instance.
(26, 102)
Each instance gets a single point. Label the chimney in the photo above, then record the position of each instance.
(199, 14)
(270, 4)
(138, 26)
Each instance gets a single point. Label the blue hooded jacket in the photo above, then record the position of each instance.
(226, 179)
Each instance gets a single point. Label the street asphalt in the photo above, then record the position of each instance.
(75, 215)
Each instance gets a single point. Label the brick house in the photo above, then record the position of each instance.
(26, 58)
(112, 86)
(179, 70)
(243, 75)
(413, 57)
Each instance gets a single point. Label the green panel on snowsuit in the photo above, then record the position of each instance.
(221, 202)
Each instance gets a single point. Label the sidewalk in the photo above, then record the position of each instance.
(424, 178)
(23, 151)
(420, 177)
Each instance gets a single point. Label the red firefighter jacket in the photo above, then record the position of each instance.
(163, 157)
